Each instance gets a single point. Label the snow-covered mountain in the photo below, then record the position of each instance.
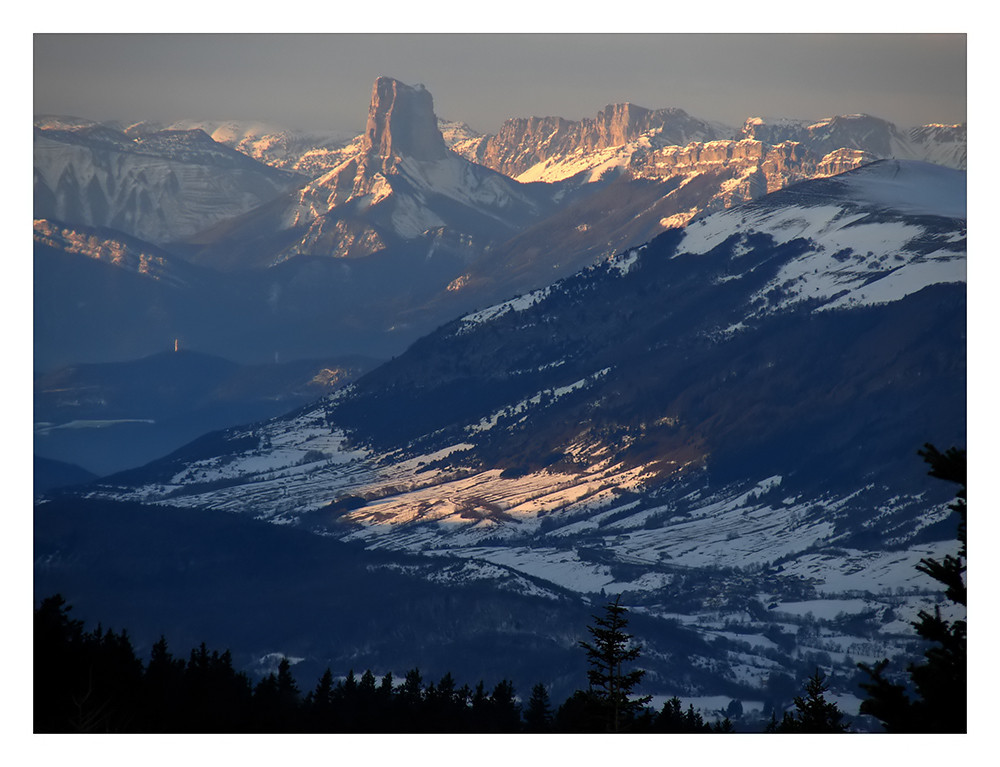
(459, 235)
(720, 424)
(636, 172)
(430, 234)
(305, 152)
(398, 187)
(622, 137)
(940, 144)
(653, 191)
(157, 186)
(695, 167)
(455, 132)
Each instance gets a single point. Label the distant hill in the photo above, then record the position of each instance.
(117, 415)
(52, 475)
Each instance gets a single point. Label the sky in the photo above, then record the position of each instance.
(323, 81)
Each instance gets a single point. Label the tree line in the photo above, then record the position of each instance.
(93, 681)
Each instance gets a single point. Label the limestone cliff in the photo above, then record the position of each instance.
(401, 122)
(739, 170)
(524, 142)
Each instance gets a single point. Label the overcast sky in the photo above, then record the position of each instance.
(324, 81)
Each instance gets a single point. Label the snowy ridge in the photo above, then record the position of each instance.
(585, 166)
(100, 245)
(463, 182)
(158, 187)
(854, 258)
(513, 305)
(487, 423)
(270, 144)
(619, 264)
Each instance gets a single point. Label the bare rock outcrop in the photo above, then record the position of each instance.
(878, 137)
(753, 166)
(401, 123)
(523, 142)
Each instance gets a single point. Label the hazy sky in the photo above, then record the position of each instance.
(324, 81)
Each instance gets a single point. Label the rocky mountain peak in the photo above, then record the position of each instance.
(620, 123)
(401, 122)
(521, 143)
(858, 131)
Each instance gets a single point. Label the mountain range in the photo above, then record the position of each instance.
(640, 354)
(450, 228)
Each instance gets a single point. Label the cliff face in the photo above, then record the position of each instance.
(401, 123)
(744, 170)
(666, 143)
(784, 163)
(523, 142)
(841, 161)
(940, 144)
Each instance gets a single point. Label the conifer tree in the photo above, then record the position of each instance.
(480, 708)
(538, 714)
(409, 699)
(940, 683)
(505, 713)
(164, 687)
(384, 697)
(581, 712)
(318, 705)
(608, 655)
(437, 704)
(814, 714)
(671, 717)
(367, 703)
(276, 701)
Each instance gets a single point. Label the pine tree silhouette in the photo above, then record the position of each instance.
(538, 714)
(940, 683)
(608, 655)
(814, 714)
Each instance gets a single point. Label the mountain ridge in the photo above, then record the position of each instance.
(622, 138)
(158, 187)
(455, 235)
